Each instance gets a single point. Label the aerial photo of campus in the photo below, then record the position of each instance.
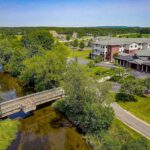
(75, 75)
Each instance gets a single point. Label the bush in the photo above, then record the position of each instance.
(115, 78)
(123, 97)
(111, 144)
(8, 130)
(132, 87)
(139, 144)
(94, 119)
(86, 103)
(98, 59)
(91, 64)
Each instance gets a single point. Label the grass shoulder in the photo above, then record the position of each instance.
(140, 108)
(117, 136)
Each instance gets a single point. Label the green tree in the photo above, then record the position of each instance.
(98, 59)
(82, 45)
(68, 37)
(90, 43)
(45, 72)
(91, 64)
(15, 64)
(6, 51)
(147, 84)
(86, 101)
(36, 42)
(119, 71)
(75, 43)
(132, 87)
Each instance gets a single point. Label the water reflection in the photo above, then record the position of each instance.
(10, 87)
(48, 130)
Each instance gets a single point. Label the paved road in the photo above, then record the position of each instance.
(106, 64)
(139, 75)
(132, 121)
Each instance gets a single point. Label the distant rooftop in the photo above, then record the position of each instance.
(120, 41)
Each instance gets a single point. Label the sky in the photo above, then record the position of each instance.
(75, 13)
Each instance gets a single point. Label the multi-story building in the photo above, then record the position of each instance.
(107, 47)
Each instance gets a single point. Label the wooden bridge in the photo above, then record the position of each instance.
(30, 102)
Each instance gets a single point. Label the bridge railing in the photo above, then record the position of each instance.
(32, 95)
(33, 99)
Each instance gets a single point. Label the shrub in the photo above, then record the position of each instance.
(91, 64)
(132, 87)
(98, 59)
(139, 144)
(123, 97)
(115, 78)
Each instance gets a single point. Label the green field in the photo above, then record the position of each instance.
(8, 130)
(133, 35)
(141, 108)
(19, 37)
(80, 54)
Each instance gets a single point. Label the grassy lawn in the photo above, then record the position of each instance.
(8, 130)
(80, 54)
(97, 72)
(141, 108)
(19, 37)
(123, 133)
(133, 35)
(117, 135)
(100, 72)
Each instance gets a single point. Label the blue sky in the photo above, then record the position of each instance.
(74, 13)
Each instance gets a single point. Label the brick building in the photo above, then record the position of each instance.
(107, 47)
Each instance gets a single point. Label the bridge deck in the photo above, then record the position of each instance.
(30, 102)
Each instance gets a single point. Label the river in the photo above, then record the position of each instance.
(45, 128)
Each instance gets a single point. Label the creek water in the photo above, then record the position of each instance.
(45, 128)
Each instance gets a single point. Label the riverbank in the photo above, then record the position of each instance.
(47, 129)
(117, 137)
(8, 131)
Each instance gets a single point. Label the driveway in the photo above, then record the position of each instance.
(106, 64)
(79, 60)
(130, 120)
(139, 75)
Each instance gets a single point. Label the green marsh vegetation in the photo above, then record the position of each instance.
(8, 130)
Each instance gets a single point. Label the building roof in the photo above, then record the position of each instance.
(146, 63)
(120, 41)
(125, 57)
(143, 52)
(136, 61)
(132, 59)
